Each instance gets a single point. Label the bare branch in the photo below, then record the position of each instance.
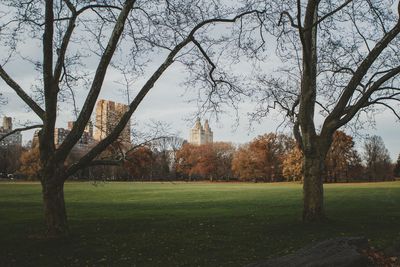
(394, 111)
(20, 130)
(97, 83)
(327, 15)
(363, 101)
(103, 144)
(287, 14)
(360, 73)
(21, 93)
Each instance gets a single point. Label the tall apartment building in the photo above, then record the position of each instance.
(108, 114)
(13, 139)
(199, 135)
(87, 135)
(59, 135)
(88, 129)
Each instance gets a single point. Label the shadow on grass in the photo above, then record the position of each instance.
(195, 227)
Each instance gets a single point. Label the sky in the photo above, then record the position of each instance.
(168, 102)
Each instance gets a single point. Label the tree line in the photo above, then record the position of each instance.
(267, 158)
(276, 157)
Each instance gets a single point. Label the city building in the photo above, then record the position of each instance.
(59, 135)
(87, 135)
(88, 129)
(108, 114)
(199, 135)
(13, 139)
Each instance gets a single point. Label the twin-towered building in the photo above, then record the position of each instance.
(199, 135)
(108, 114)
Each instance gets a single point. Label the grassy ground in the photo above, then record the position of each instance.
(188, 224)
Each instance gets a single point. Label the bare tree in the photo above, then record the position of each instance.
(116, 32)
(396, 171)
(339, 62)
(377, 158)
(20, 129)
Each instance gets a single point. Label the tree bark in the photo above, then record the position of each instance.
(313, 191)
(54, 209)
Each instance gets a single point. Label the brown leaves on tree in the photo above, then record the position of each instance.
(30, 163)
(293, 165)
(262, 158)
(209, 161)
(139, 161)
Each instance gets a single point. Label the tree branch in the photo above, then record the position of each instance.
(329, 14)
(87, 109)
(356, 79)
(352, 110)
(287, 14)
(21, 93)
(103, 144)
(395, 112)
(65, 41)
(20, 130)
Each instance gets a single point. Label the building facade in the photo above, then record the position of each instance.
(199, 135)
(59, 135)
(13, 139)
(87, 135)
(108, 114)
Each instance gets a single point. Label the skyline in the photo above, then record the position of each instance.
(173, 107)
(224, 131)
(167, 101)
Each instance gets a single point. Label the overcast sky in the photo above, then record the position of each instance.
(168, 102)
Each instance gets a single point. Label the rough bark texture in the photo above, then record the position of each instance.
(337, 252)
(54, 210)
(313, 165)
(313, 191)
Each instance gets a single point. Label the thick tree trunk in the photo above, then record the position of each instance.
(313, 192)
(54, 209)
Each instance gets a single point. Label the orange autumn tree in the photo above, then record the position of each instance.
(262, 158)
(30, 164)
(292, 169)
(209, 161)
(244, 164)
(342, 162)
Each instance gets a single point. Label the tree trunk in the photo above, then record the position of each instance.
(54, 209)
(313, 192)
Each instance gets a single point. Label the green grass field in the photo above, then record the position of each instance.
(188, 224)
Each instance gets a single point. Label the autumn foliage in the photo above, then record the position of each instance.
(139, 161)
(342, 162)
(30, 163)
(293, 165)
(262, 159)
(209, 161)
(267, 158)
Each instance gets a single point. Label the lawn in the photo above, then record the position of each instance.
(188, 224)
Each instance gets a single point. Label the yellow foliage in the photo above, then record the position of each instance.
(30, 163)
